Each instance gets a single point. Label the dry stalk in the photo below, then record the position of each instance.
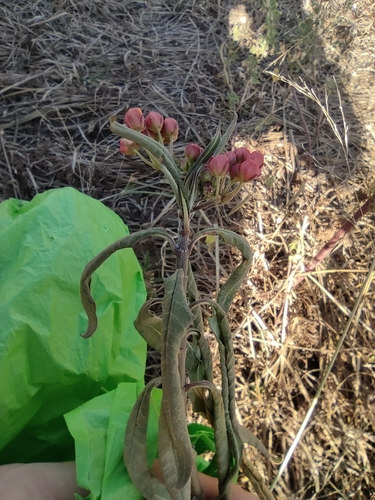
(362, 292)
(327, 249)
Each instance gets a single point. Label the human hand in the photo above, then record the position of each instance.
(39, 481)
(57, 481)
(210, 486)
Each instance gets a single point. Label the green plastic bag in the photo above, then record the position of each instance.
(46, 368)
(98, 428)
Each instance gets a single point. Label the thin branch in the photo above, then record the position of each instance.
(314, 402)
(368, 206)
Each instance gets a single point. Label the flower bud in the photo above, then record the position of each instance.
(192, 152)
(128, 147)
(134, 119)
(219, 165)
(245, 171)
(242, 154)
(257, 157)
(207, 189)
(170, 130)
(231, 157)
(154, 122)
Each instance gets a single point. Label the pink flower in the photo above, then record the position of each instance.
(231, 157)
(128, 147)
(245, 171)
(192, 152)
(154, 122)
(219, 165)
(134, 119)
(257, 157)
(242, 154)
(170, 130)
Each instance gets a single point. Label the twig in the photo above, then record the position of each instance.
(304, 125)
(336, 238)
(310, 411)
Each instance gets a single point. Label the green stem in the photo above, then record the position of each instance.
(183, 238)
(171, 146)
(229, 196)
(182, 252)
(160, 139)
(217, 190)
(140, 155)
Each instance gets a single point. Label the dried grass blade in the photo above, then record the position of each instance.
(314, 402)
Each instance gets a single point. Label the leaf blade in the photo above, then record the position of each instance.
(173, 434)
(230, 288)
(126, 242)
(149, 326)
(223, 455)
(249, 438)
(135, 448)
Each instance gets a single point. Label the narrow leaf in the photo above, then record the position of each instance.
(205, 357)
(159, 150)
(227, 135)
(232, 285)
(205, 155)
(193, 296)
(148, 326)
(172, 461)
(192, 179)
(202, 351)
(127, 242)
(221, 329)
(199, 367)
(249, 438)
(135, 449)
(216, 145)
(173, 434)
(223, 455)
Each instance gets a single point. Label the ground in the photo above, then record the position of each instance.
(300, 77)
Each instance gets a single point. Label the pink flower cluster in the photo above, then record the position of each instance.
(240, 164)
(153, 125)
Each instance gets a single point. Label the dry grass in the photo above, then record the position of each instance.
(66, 66)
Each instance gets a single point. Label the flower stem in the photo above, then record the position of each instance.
(229, 196)
(140, 155)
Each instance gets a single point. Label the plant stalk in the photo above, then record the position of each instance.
(327, 249)
(183, 252)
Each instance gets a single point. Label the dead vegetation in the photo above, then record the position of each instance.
(300, 80)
